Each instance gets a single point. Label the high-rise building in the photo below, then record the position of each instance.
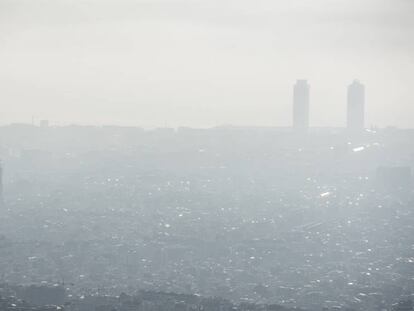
(301, 105)
(355, 106)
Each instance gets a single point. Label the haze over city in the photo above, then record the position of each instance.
(206, 155)
(203, 63)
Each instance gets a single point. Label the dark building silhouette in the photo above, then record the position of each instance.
(301, 105)
(355, 106)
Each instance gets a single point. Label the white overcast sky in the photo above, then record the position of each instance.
(203, 62)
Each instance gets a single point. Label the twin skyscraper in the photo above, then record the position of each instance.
(355, 106)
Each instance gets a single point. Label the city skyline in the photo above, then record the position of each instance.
(301, 109)
(204, 155)
(301, 119)
(201, 64)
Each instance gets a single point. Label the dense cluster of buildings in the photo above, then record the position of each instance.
(261, 217)
(256, 215)
(44, 300)
(12, 300)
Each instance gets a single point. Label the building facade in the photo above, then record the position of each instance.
(301, 105)
(356, 107)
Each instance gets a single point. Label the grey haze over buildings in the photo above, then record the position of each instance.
(204, 63)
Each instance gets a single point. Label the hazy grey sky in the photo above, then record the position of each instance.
(203, 62)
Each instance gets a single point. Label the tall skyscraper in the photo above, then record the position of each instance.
(355, 106)
(301, 105)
